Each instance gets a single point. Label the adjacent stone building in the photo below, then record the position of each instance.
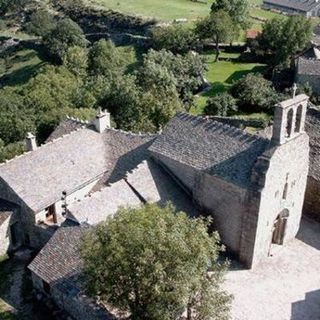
(308, 69)
(309, 8)
(253, 187)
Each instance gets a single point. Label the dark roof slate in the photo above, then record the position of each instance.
(313, 130)
(307, 66)
(300, 5)
(210, 146)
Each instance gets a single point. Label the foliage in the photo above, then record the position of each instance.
(238, 10)
(106, 59)
(10, 150)
(76, 61)
(41, 23)
(153, 262)
(187, 71)
(66, 34)
(13, 5)
(175, 38)
(254, 93)
(218, 26)
(281, 39)
(222, 104)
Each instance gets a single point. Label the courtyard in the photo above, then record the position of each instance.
(286, 286)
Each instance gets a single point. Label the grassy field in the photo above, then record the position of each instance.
(222, 74)
(166, 10)
(18, 68)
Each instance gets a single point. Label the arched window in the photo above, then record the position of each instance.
(289, 123)
(297, 126)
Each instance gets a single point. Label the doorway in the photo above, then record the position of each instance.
(279, 227)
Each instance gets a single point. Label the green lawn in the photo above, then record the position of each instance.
(18, 68)
(166, 10)
(221, 75)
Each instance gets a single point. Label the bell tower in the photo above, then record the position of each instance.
(289, 119)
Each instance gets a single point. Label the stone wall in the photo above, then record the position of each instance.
(313, 80)
(284, 185)
(5, 236)
(75, 303)
(311, 206)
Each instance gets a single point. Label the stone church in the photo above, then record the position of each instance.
(252, 186)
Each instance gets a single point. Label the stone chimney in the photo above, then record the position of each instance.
(31, 143)
(102, 121)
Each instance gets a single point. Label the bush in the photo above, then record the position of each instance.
(254, 93)
(221, 105)
(176, 38)
(41, 23)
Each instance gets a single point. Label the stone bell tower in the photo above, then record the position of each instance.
(289, 119)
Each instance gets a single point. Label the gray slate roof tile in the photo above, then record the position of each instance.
(210, 146)
(308, 66)
(301, 5)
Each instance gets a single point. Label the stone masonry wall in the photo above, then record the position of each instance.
(311, 206)
(313, 80)
(287, 165)
(5, 236)
(226, 203)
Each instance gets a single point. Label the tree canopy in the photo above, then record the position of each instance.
(238, 10)
(153, 262)
(218, 26)
(281, 39)
(222, 104)
(64, 35)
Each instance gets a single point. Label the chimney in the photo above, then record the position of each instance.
(102, 121)
(31, 143)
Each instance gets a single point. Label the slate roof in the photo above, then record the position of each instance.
(307, 66)
(65, 127)
(313, 130)
(300, 5)
(147, 183)
(70, 162)
(96, 207)
(210, 146)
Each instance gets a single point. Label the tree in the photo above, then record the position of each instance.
(175, 38)
(66, 34)
(13, 5)
(221, 105)
(281, 39)
(218, 26)
(187, 71)
(41, 23)
(153, 263)
(238, 10)
(254, 93)
(76, 61)
(106, 59)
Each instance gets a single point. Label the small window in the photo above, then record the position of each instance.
(51, 214)
(46, 287)
(285, 191)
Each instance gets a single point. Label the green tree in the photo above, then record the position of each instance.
(13, 5)
(221, 105)
(153, 263)
(187, 70)
(11, 150)
(66, 34)
(175, 38)
(106, 59)
(238, 10)
(218, 26)
(281, 39)
(254, 93)
(76, 61)
(41, 23)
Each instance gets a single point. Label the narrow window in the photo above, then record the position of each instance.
(289, 123)
(297, 127)
(285, 191)
(51, 214)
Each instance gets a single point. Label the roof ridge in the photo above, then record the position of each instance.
(77, 120)
(40, 146)
(221, 125)
(134, 134)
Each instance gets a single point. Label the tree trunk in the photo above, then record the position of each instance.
(217, 50)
